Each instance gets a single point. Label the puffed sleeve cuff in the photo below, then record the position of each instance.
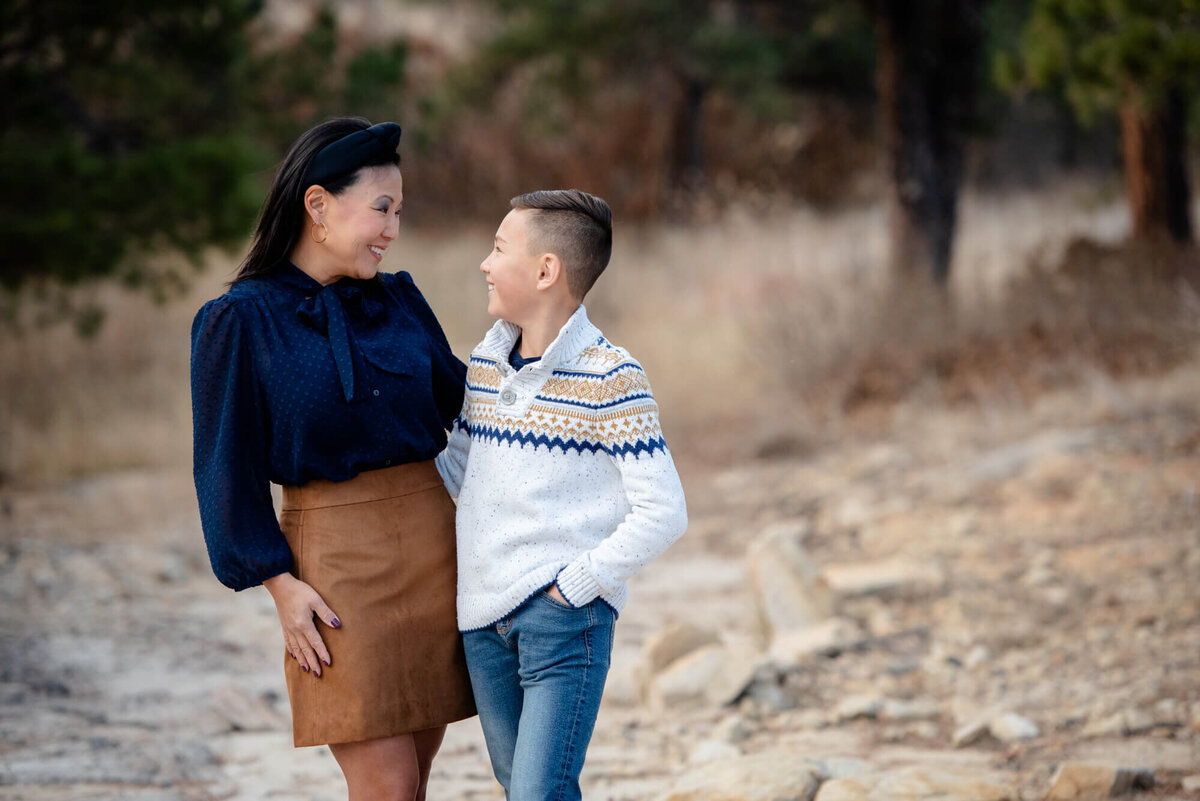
(245, 579)
(577, 584)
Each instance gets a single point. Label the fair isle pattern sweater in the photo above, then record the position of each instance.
(561, 474)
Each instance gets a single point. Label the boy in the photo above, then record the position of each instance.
(565, 488)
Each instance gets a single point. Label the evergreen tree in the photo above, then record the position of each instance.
(121, 134)
(1140, 59)
(138, 126)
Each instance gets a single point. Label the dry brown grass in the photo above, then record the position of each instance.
(758, 328)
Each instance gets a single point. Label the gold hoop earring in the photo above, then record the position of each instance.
(313, 231)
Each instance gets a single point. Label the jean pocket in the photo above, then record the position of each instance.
(550, 599)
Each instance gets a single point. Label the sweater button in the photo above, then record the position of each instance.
(508, 397)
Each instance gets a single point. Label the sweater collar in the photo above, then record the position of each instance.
(573, 338)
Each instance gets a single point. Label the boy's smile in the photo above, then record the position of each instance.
(511, 270)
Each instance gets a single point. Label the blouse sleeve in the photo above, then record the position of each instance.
(449, 373)
(230, 447)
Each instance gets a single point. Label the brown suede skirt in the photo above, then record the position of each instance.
(379, 549)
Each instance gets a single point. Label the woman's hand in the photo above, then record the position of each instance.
(296, 603)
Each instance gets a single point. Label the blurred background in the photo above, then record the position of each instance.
(831, 201)
(820, 204)
(855, 240)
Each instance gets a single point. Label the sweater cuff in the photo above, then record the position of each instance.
(576, 583)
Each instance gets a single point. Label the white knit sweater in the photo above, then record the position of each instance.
(561, 473)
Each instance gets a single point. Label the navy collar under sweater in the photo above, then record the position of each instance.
(577, 334)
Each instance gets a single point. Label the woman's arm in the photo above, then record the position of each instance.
(230, 451)
(230, 447)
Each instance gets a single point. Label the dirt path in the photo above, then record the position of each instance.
(1065, 537)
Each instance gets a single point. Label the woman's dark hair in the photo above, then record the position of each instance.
(281, 223)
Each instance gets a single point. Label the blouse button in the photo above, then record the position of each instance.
(375, 392)
(508, 397)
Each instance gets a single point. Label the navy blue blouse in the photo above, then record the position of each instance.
(292, 381)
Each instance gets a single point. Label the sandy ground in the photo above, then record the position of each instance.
(1064, 536)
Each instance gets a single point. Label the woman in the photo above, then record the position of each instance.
(317, 372)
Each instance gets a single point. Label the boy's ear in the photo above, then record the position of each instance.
(550, 271)
(314, 202)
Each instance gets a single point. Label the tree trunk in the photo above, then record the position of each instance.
(687, 136)
(928, 65)
(1154, 144)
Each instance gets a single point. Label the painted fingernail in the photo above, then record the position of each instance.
(304, 668)
(337, 624)
(326, 661)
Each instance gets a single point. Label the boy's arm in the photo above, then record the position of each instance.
(452, 461)
(658, 514)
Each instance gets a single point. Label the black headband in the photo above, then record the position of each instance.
(351, 152)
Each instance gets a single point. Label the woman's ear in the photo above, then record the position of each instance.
(314, 202)
(550, 271)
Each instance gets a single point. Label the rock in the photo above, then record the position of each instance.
(174, 568)
(770, 697)
(845, 790)
(1004, 726)
(803, 720)
(732, 729)
(881, 619)
(963, 523)
(1132, 779)
(1122, 723)
(1080, 782)
(1040, 576)
(976, 657)
(707, 751)
(673, 642)
(736, 674)
(827, 638)
(1045, 558)
(1191, 784)
(245, 712)
(844, 768)
(892, 578)
(1058, 597)
(623, 686)
(1009, 726)
(784, 582)
(761, 777)
(900, 711)
(685, 680)
(914, 784)
(1008, 460)
(921, 729)
(970, 733)
(858, 706)
(665, 647)
(713, 675)
(1169, 712)
(854, 511)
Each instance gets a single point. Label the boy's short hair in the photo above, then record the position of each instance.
(575, 226)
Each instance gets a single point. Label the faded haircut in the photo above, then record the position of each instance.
(575, 226)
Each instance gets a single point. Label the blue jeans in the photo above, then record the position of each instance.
(538, 675)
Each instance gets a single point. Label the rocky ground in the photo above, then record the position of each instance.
(991, 602)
